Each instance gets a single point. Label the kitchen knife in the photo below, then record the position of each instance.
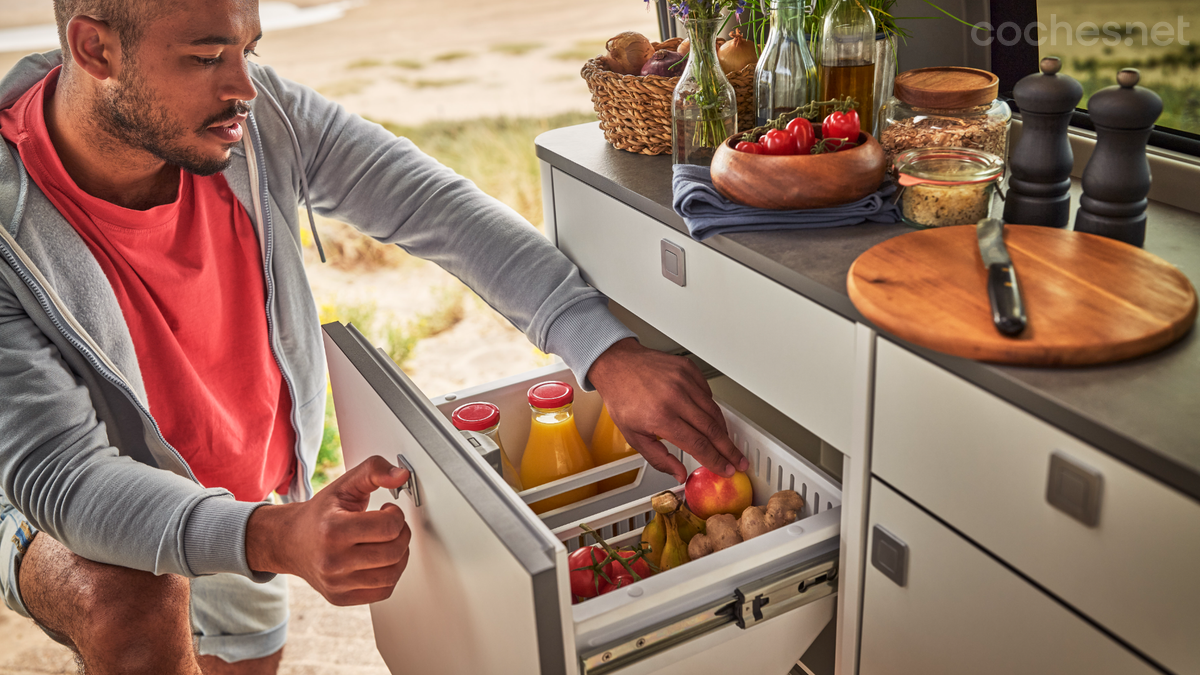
(1008, 312)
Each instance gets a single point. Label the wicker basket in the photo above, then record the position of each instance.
(635, 110)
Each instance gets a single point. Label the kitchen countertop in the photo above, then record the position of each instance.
(1145, 411)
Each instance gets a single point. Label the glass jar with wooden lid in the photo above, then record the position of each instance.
(945, 107)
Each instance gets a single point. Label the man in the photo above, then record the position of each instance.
(161, 368)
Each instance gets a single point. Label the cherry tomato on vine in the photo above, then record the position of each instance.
(841, 125)
(621, 576)
(802, 130)
(778, 142)
(749, 146)
(584, 582)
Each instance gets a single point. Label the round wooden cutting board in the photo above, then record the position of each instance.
(1089, 299)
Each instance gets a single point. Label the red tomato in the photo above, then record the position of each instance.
(750, 147)
(621, 576)
(584, 582)
(778, 142)
(841, 125)
(802, 130)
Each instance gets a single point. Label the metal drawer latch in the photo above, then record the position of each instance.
(673, 262)
(411, 486)
(1074, 489)
(889, 555)
(776, 595)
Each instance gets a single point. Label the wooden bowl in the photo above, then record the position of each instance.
(798, 181)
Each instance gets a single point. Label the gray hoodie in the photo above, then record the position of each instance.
(80, 455)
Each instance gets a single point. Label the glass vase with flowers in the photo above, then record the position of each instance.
(704, 105)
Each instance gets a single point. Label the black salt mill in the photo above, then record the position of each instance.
(1040, 185)
(1116, 179)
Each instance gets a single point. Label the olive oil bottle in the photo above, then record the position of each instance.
(847, 57)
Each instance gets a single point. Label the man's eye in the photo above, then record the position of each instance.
(250, 52)
(207, 61)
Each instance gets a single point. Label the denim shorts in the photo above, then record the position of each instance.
(233, 617)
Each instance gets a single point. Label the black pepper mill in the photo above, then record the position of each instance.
(1040, 185)
(1116, 179)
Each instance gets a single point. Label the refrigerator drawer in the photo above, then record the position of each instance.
(487, 585)
(960, 611)
(1110, 541)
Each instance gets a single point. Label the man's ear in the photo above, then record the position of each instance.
(95, 47)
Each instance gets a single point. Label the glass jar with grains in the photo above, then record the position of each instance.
(947, 186)
(945, 107)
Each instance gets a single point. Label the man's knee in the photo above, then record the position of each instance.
(127, 619)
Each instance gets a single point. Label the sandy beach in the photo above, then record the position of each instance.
(410, 63)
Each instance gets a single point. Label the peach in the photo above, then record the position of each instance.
(708, 494)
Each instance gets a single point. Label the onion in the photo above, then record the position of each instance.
(627, 52)
(736, 53)
(664, 62)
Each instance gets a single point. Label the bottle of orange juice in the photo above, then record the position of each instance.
(555, 449)
(608, 445)
(485, 418)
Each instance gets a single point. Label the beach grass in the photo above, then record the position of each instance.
(452, 56)
(582, 51)
(408, 64)
(516, 48)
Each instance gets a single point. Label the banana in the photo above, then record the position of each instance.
(675, 550)
(689, 523)
(654, 537)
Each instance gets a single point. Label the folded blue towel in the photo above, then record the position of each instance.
(707, 212)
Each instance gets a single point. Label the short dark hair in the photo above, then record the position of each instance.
(128, 18)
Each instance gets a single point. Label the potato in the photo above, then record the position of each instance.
(723, 531)
(753, 523)
(699, 546)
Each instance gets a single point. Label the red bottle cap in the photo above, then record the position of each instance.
(551, 395)
(475, 416)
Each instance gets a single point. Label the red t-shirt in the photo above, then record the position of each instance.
(189, 279)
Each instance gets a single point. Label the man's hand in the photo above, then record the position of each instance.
(653, 395)
(350, 555)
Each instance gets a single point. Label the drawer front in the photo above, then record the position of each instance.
(960, 611)
(983, 466)
(791, 352)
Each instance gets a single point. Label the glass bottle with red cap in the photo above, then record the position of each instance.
(485, 418)
(555, 449)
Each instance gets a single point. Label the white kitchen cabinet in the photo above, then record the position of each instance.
(791, 352)
(983, 466)
(960, 611)
(487, 589)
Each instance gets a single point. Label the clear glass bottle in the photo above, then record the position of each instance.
(704, 104)
(846, 61)
(786, 75)
(485, 418)
(555, 449)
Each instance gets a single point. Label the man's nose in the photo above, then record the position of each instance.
(240, 87)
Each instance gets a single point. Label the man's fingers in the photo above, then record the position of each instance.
(367, 586)
(366, 527)
(372, 556)
(658, 456)
(356, 486)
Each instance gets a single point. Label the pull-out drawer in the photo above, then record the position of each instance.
(788, 350)
(487, 585)
(1119, 547)
(960, 611)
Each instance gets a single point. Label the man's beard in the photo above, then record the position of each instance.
(130, 114)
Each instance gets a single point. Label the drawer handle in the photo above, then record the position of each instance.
(673, 262)
(411, 486)
(1075, 489)
(889, 555)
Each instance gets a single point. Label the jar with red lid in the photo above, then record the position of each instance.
(485, 418)
(555, 449)
(945, 107)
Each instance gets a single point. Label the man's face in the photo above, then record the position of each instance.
(181, 95)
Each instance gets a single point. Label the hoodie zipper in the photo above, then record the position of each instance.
(269, 236)
(55, 317)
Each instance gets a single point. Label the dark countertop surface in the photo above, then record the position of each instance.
(1145, 411)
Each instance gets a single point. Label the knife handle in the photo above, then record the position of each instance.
(1008, 312)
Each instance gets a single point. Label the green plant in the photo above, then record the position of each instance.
(402, 339)
(329, 456)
